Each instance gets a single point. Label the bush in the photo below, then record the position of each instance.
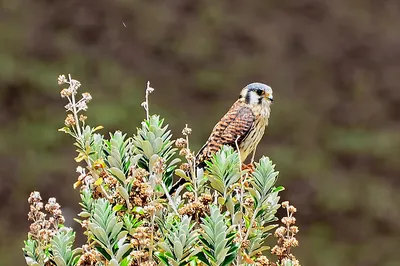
(221, 215)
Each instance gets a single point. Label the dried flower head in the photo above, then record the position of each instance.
(290, 261)
(185, 167)
(81, 106)
(69, 107)
(43, 229)
(280, 231)
(90, 256)
(74, 85)
(278, 251)
(34, 197)
(70, 120)
(286, 236)
(206, 198)
(184, 152)
(188, 195)
(159, 166)
(181, 143)
(65, 93)
(294, 229)
(290, 242)
(186, 131)
(190, 157)
(292, 209)
(249, 202)
(262, 261)
(62, 79)
(288, 220)
(86, 96)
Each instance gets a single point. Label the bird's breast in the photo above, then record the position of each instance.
(253, 138)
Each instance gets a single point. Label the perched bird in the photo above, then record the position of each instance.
(242, 126)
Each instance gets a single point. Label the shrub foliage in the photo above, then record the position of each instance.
(220, 215)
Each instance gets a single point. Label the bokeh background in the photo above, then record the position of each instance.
(334, 132)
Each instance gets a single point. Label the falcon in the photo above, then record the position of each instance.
(242, 126)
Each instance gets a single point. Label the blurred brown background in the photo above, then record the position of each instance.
(334, 132)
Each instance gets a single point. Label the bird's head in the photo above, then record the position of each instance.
(257, 94)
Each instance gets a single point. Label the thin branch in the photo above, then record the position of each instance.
(171, 202)
(74, 107)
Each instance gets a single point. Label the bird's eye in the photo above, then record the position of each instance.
(260, 92)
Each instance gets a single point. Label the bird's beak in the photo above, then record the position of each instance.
(269, 97)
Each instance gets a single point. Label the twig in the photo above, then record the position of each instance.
(169, 198)
(74, 107)
(239, 258)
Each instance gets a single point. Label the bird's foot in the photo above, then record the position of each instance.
(250, 167)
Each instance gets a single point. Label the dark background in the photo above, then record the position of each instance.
(334, 131)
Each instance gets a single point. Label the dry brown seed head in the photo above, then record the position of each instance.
(185, 167)
(65, 93)
(70, 120)
(288, 220)
(184, 152)
(186, 131)
(292, 209)
(249, 202)
(277, 250)
(294, 229)
(86, 96)
(180, 143)
(61, 79)
(280, 231)
(262, 261)
(188, 195)
(190, 157)
(34, 197)
(159, 166)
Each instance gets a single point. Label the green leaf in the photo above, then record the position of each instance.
(139, 210)
(99, 181)
(180, 239)
(178, 250)
(106, 229)
(147, 148)
(118, 174)
(124, 194)
(31, 262)
(278, 189)
(221, 200)
(61, 245)
(97, 128)
(122, 250)
(264, 177)
(157, 145)
(118, 207)
(154, 138)
(216, 238)
(224, 170)
(229, 205)
(103, 252)
(180, 173)
(113, 262)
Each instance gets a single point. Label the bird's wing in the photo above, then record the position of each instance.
(234, 126)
